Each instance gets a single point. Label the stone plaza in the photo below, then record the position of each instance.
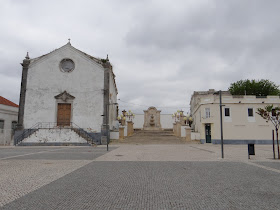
(135, 175)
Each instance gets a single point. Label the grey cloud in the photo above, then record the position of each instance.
(161, 51)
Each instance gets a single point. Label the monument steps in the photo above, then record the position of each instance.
(153, 137)
(154, 133)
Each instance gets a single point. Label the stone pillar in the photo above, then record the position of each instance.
(121, 133)
(106, 127)
(177, 129)
(130, 129)
(25, 65)
(188, 133)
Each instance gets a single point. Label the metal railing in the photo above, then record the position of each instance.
(53, 125)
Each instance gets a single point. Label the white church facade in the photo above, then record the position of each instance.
(67, 97)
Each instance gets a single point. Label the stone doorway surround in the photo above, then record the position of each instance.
(64, 108)
(152, 119)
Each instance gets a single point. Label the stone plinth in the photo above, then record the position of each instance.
(188, 133)
(121, 133)
(130, 129)
(152, 119)
(183, 131)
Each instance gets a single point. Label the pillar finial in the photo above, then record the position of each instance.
(69, 41)
(107, 59)
(27, 56)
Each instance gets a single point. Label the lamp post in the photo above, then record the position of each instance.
(130, 116)
(107, 126)
(221, 122)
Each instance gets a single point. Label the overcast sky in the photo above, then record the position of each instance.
(161, 50)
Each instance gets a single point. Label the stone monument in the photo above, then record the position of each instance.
(152, 119)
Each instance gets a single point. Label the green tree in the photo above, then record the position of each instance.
(272, 114)
(262, 87)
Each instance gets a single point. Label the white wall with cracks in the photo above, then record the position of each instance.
(54, 136)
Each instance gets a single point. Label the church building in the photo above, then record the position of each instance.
(67, 98)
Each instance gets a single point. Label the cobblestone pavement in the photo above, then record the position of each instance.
(187, 152)
(158, 185)
(25, 169)
(187, 176)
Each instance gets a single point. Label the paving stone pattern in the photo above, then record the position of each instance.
(158, 185)
(24, 169)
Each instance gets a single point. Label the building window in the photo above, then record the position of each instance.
(227, 112)
(207, 112)
(250, 112)
(1, 126)
(14, 125)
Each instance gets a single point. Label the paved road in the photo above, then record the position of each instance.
(92, 178)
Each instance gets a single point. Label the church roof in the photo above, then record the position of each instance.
(98, 60)
(7, 102)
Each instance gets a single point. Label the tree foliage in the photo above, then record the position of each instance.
(262, 87)
(272, 114)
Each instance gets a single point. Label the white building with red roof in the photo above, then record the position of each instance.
(8, 120)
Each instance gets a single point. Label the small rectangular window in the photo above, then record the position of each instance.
(250, 112)
(14, 125)
(207, 112)
(1, 126)
(227, 112)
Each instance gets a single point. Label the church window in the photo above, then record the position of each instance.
(67, 65)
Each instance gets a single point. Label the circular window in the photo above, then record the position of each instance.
(67, 65)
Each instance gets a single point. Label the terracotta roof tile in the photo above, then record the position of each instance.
(7, 102)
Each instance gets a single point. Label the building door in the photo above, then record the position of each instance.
(208, 133)
(63, 114)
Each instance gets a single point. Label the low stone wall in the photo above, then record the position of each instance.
(195, 136)
(114, 135)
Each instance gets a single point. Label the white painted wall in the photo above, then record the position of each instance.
(46, 80)
(54, 136)
(165, 120)
(138, 121)
(195, 136)
(114, 135)
(8, 114)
